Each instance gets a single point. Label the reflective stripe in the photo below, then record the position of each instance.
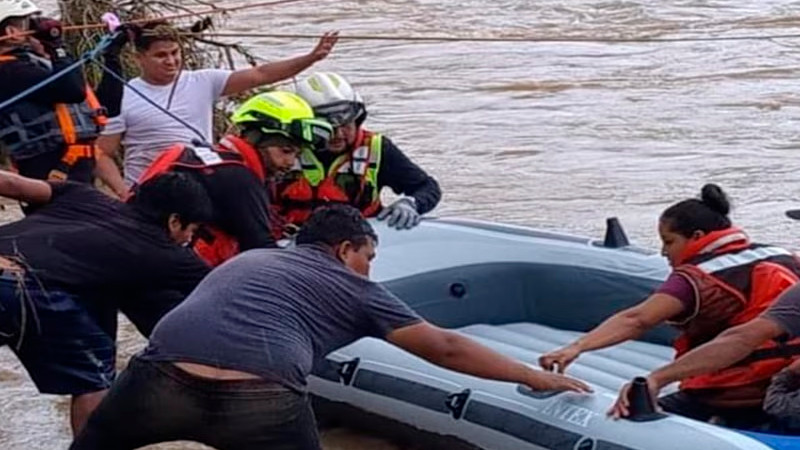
(208, 156)
(727, 261)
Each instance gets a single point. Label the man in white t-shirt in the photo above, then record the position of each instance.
(191, 95)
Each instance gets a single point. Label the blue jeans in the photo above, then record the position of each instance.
(154, 402)
(55, 337)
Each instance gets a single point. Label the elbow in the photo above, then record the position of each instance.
(638, 322)
(445, 349)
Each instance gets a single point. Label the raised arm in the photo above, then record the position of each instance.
(621, 327)
(243, 80)
(456, 352)
(24, 189)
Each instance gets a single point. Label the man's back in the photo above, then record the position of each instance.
(84, 240)
(273, 312)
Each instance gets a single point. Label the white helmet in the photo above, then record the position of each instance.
(332, 98)
(17, 8)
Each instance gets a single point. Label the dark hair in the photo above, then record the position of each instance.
(334, 224)
(15, 21)
(709, 213)
(173, 193)
(150, 33)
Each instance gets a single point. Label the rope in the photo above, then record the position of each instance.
(144, 97)
(214, 10)
(89, 55)
(365, 37)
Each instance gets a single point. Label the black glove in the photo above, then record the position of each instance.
(125, 33)
(50, 32)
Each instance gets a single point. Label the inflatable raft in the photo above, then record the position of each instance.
(522, 292)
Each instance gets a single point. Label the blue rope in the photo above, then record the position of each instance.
(89, 55)
(106, 69)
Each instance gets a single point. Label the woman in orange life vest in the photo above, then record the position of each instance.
(719, 280)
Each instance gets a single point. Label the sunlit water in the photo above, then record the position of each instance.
(553, 135)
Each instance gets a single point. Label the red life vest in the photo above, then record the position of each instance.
(352, 179)
(69, 127)
(213, 245)
(734, 281)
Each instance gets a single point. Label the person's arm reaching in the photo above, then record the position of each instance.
(456, 352)
(403, 176)
(106, 168)
(24, 189)
(725, 350)
(621, 327)
(243, 80)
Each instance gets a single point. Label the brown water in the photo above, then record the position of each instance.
(555, 135)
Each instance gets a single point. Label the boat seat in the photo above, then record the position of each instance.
(608, 369)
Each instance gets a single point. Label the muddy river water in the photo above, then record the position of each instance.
(557, 135)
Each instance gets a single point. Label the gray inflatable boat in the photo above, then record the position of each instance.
(522, 292)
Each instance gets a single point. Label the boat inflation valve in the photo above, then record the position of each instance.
(641, 406)
(458, 290)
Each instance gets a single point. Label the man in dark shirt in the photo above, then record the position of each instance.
(356, 165)
(228, 366)
(49, 133)
(66, 268)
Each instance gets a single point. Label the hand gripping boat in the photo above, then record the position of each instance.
(522, 292)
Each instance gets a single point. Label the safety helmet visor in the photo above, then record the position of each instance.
(340, 113)
(312, 133)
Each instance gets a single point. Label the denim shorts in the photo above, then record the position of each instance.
(61, 346)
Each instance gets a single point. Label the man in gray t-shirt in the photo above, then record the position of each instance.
(780, 322)
(228, 366)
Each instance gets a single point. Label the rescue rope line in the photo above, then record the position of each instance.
(533, 39)
(104, 43)
(214, 10)
(120, 78)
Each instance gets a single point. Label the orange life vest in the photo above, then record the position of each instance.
(352, 179)
(71, 127)
(213, 245)
(734, 281)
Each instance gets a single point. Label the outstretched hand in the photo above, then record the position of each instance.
(325, 45)
(620, 409)
(544, 381)
(558, 360)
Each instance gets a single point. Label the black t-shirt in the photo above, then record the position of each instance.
(85, 242)
(240, 202)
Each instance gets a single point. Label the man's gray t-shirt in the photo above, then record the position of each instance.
(275, 313)
(786, 311)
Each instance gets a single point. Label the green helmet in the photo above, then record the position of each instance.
(286, 114)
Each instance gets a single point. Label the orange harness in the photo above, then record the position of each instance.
(79, 144)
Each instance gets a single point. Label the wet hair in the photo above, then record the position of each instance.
(708, 213)
(333, 224)
(173, 193)
(150, 33)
